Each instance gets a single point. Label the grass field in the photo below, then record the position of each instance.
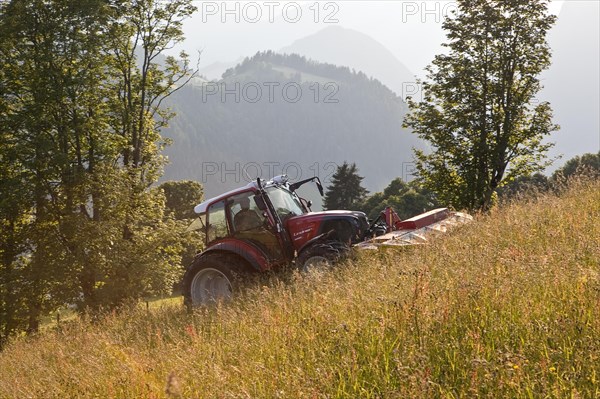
(508, 306)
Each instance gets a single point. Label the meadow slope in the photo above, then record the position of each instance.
(508, 306)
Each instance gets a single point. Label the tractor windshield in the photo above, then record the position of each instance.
(285, 203)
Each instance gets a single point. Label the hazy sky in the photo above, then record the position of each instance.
(228, 30)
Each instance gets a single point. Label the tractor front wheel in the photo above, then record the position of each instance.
(211, 279)
(319, 256)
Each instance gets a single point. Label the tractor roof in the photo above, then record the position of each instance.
(276, 181)
(201, 208)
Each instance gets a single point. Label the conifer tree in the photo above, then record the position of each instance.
(345, 191)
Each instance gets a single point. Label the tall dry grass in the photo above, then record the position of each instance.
(508, 306)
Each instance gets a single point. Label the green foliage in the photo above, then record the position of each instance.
(524, 185)
(15, 215)
(142, 31)
(345, 191)
(51, 116)
(181, 197)
(586, 164)
(407, 199)
(478, 111)
(80, 115)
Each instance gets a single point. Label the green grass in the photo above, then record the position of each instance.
(508, 306)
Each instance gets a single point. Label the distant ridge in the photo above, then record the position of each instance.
(356, 50)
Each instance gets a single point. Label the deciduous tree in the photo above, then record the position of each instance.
(479, 111)
(586, 164)
(82, 85)
(407, 199)
(181, 197)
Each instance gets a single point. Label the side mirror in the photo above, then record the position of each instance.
(260, 202)
(306, 204)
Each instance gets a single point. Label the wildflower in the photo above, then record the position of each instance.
(191, 331)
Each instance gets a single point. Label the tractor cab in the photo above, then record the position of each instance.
(253, 216)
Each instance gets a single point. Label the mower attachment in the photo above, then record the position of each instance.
(417, 229)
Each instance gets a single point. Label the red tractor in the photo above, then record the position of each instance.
(266, 225)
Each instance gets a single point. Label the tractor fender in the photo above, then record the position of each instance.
(315, 239)
(245, 250)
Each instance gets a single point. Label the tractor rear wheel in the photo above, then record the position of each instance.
(212, 279)
(323, 255)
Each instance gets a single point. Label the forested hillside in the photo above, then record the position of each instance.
(286, 114)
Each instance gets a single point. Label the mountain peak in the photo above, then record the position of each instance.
(351, 48)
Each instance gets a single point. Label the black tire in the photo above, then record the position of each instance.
(321, 255)
(212, 278)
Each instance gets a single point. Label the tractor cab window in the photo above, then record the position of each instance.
(245, 213)
(249, 223)
(285, 203)
(217, 222)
